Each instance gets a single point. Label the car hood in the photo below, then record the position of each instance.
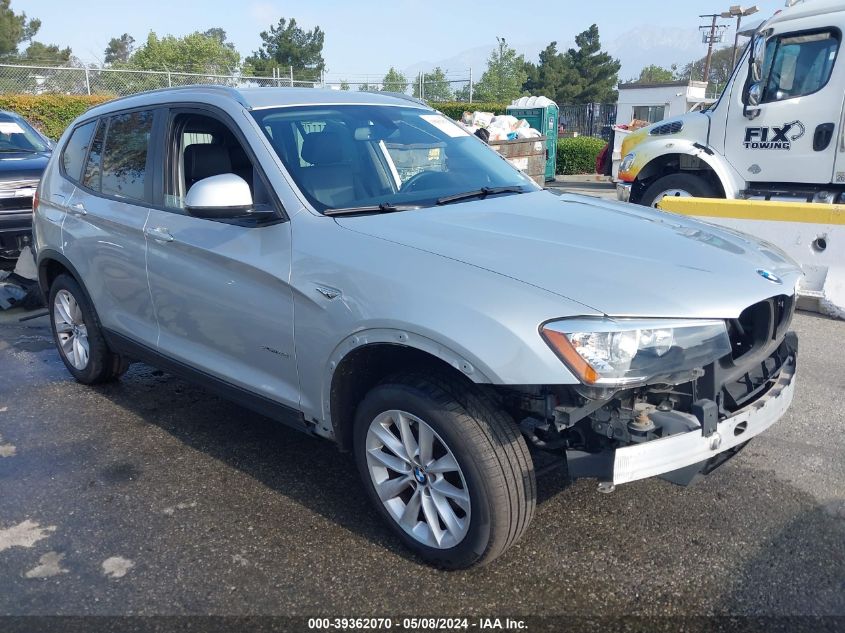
(619, 259)
(22, 165)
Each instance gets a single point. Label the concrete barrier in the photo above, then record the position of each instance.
(812, 234)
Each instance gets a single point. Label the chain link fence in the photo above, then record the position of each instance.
(120, 82)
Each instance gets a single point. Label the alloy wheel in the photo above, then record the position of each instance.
(418, 479)
(71, 331)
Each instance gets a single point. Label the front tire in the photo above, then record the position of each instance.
(445, 467)
(680, 185)
(78, 337)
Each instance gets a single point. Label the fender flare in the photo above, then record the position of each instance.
(731, 182)
(472, 369)
(47, 255)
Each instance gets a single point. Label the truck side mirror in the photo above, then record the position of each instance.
(754, 82)
(755, 94)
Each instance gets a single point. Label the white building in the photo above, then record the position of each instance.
(655, 102)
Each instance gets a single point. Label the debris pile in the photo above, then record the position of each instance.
(502, 127)
(19, 288)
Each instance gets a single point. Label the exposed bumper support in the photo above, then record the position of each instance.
(623, 191)
(665, 455)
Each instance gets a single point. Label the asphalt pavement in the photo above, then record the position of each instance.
(151, 496)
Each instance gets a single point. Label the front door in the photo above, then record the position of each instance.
(794, 138)
(221, 289)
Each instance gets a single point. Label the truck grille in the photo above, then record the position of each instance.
(15, 195)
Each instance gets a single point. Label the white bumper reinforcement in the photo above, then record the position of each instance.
(656, 457)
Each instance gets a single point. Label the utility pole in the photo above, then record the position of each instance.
(738, 11)
(710, 35)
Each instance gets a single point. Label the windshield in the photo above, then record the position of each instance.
(349, 156)
(16, 135)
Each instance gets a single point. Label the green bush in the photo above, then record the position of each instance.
(577, 155)
(454, 109)
(50, 113)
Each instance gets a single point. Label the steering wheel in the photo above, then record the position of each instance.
(418, 180)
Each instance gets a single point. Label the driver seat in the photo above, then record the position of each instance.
(330, 177)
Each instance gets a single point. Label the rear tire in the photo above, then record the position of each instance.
(682, 185)
(78, 335)
(491, 492)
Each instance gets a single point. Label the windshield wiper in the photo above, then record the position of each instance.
(17, 150)
(384, 207)
(479, 193)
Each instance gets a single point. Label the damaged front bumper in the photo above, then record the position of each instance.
(677, 452)
(698, 441)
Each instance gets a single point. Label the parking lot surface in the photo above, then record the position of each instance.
(151, 496)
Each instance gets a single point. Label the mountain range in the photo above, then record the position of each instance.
(636, 49)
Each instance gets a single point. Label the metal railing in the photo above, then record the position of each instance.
(588, 119)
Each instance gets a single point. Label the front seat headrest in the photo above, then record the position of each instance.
(203, 160)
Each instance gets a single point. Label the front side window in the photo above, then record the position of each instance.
(124, 162)
(202, 146)
(798, 64)
(74, 152)
(349, 156)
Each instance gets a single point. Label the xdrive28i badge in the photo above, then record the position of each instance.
(773, 137)
(769, 276)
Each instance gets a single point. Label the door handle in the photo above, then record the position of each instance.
(158, 233)
(78, 209)
(823, 136)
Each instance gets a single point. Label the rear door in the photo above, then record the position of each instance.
(794, 138)
(221, 288)
(103, 231)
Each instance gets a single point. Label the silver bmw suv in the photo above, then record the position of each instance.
(361, 268)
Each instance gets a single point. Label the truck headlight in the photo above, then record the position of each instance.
(632, 352)
(626, 163)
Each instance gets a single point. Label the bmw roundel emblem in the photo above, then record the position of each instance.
(768, 276)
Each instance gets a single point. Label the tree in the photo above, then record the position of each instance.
(344, 85)
(435, 86)
(721, 67)
(196, 52)
(504, 77)
(286, 45)
(598, 71)
(394, 81)
(40, 54)
(554, 77)
(655, 74)
(14, 29)
(365, 87)
(119, 49)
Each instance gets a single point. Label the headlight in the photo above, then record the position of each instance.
(626, 163)
(631, 352)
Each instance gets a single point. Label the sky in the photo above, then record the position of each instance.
(365, 37)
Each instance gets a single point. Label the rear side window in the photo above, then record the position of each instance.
(91, 177)
(73, 155)
(124, 162)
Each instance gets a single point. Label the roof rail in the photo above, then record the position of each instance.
(400, 95)
(231, 91)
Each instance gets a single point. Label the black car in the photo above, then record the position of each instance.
(24, 153)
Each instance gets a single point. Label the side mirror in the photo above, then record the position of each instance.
(755, 94)
(222, 197)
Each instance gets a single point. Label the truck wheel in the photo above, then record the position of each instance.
(76, 330)
(445, 467)
(680, 185)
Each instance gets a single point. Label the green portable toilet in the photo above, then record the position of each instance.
(542, 114)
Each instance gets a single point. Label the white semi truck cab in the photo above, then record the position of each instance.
(776, 133)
